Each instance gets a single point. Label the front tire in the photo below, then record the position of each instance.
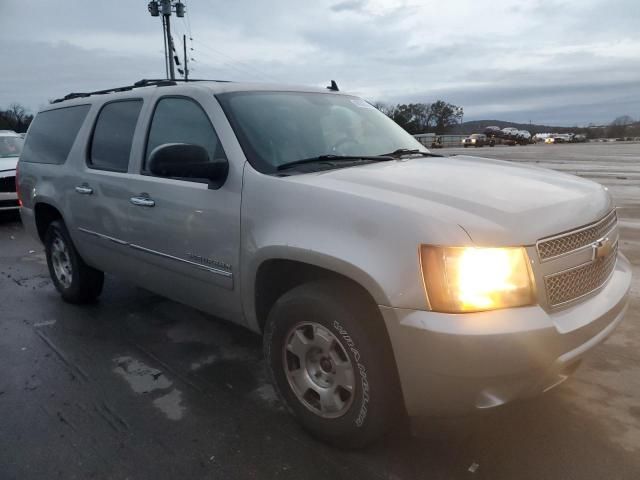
(332, 364)
(76, 281)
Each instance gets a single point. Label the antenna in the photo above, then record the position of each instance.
(333, 87)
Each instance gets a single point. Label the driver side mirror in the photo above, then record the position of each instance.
(184, 160)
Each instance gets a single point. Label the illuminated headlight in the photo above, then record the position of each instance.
(473, 140)
(469, 279)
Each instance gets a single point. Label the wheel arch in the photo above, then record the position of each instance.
(45, 213)
(275, 274)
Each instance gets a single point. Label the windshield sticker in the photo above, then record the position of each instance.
(361, 103)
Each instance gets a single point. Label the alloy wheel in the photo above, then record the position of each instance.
(318, 370)
(61, 261)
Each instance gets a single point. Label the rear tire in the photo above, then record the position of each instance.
(354, 398)
(76, 281)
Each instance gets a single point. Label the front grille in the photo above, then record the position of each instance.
(8, 185)
(572, 284)
(568, 242)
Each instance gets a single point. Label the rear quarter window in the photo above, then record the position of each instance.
(52, 134)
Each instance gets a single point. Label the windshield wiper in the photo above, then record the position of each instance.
(335, 158)
(407, 151)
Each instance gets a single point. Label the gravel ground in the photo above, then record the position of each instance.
(138, 386)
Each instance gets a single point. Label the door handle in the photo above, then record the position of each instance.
(84, 189)
(142, 201)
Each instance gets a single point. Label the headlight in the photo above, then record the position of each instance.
(469, 279)
(473, 140)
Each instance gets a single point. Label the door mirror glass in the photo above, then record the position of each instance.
(187, 161)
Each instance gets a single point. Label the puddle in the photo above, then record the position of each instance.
(140, 377)
(47, 323)
(171, 404)
(204, 362)
(267, 394)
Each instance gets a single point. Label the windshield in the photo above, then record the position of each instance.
(275, 128)
(10, 146)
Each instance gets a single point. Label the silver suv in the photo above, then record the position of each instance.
(384, 279)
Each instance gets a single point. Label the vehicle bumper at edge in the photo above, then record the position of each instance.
(8, 199)
(455, 363)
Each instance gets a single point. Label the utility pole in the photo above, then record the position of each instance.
(166, 54)
(172, 71)
(186, 65)
(165, 8)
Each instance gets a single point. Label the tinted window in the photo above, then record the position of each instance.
(180, 120)
(52, 134)
(113, 135)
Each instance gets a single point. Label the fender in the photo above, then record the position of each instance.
(309, 257)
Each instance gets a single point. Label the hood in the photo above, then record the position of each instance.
(8, 163)
(498, 203)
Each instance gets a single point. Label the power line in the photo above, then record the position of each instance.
(218, 63)
(240, 66)
(165, 8)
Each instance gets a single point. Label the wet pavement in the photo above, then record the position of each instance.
(137, 386)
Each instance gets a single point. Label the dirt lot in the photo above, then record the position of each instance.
(137, 386)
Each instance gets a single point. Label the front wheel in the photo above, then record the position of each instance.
(332, 365)
(76, 281)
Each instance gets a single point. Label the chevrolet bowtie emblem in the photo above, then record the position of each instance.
(602, 248)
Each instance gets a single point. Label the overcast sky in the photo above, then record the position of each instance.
(562, 62)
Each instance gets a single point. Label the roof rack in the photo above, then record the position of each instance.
(140, 83)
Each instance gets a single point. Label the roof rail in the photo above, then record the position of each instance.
(158, 82)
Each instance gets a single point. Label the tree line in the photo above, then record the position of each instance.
(15, 118)
(437, 117)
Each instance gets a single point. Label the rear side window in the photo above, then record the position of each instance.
(52, 134)
(113, 135)
(181, 120)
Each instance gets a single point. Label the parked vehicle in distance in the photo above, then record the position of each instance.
(509, 131)
(474, 140)
(10, 149)
(562, 138)
(493, 132)
(385, 280)
(524, 137)
(579, 138)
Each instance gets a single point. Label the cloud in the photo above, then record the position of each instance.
(348, 5)
(562, 61)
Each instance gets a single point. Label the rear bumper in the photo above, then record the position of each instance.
(29, 222)
(451, 363)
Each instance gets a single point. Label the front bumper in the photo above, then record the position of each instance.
(8, 201)
(8, 195)
(455, 363)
